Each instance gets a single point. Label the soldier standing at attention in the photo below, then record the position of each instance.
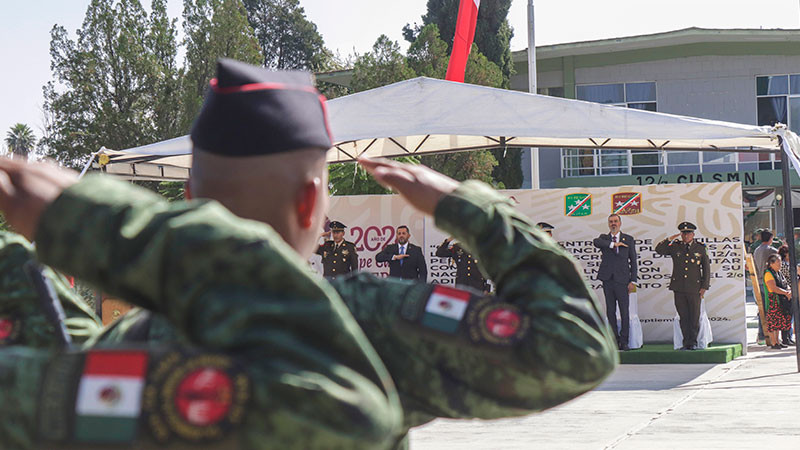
(339, 257)
(690, 279)
(467, 272)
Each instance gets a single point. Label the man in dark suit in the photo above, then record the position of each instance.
(618, 274)
(405, 259)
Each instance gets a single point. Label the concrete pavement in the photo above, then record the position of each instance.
(751, 402)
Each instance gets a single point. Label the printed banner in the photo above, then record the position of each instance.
(649, 214)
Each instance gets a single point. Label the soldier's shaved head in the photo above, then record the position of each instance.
(288, 191)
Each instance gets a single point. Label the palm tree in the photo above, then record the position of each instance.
(20, 140)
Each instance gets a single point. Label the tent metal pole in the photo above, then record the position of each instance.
(788, 224)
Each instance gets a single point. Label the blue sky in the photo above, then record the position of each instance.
(348, 25)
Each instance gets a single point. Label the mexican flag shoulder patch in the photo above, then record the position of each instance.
(445, 308)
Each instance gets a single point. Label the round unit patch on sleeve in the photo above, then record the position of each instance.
(497, 323)
(10, 329)
(197, 398)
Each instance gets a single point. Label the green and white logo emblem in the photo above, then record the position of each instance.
(577, 205)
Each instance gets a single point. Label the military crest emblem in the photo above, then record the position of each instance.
(577, 205)
(198, 398)
(9, 330)
(626, 203)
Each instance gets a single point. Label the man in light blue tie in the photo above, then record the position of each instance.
(405, 259)
(618, 272)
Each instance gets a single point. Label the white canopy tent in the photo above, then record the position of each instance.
(423, 116)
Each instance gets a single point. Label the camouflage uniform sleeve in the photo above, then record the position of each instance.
(564, 350)
(22, 319)
(231, 286)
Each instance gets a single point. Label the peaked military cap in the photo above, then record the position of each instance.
(796, 230)
(337, 226)
(686, 227)
(545, 226)
(251, 111)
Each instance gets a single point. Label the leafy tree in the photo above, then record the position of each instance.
(428, 55)
(492, 33)
(385, 64)
(112, 85)
(287, 38)
(214, 29)
(352, 179)
(20, 140)
(171, 190)
(166, 76)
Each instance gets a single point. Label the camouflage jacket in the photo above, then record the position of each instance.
(454, 353)
(21, 319)
(282, 363)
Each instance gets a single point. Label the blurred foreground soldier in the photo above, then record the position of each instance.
(467, 271)
(21, 319)
(245, 347)
(339, 257)
(690, 279)
(236, 287)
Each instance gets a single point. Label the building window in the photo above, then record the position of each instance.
(551, 91)
(591, 162)
(778, 101)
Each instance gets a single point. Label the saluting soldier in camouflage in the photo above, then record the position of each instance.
(339, 257)
(691, 273)
(21, 319)
(450, 353)
(467, 271)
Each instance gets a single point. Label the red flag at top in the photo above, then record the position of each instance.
(462, 41)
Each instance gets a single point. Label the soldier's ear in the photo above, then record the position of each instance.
(306, 202)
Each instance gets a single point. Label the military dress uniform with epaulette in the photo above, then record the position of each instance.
(691, 272)
(467, 271)
(338, 259)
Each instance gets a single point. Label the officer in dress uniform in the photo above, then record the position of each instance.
(467, 272)
(339, 257)
(691, 273)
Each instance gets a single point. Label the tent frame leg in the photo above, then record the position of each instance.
(788, 223)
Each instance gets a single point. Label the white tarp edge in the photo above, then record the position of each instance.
(424, 115)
